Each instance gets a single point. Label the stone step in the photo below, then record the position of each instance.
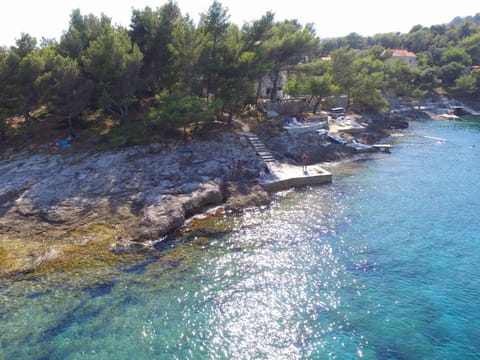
(260, 148)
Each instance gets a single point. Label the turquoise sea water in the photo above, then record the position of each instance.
(382, 264)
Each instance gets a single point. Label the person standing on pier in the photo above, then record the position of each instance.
(304, 163)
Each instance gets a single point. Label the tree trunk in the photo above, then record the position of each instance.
(274, 77)
(348, 100)
(212, 59)
(259, 89)
(28, 102)
(123, 109)
(28, 118)
(70, 126)
(3, 133)
(230, 117)
(315, 107)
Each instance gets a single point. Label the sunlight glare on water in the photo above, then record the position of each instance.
(265, 307)
(381, 264)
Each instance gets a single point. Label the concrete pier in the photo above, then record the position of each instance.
(285, 176)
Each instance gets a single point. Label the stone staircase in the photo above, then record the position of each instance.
(261, 150)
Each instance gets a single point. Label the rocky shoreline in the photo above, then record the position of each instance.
(52, 204)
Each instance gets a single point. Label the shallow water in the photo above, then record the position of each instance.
(382, 264)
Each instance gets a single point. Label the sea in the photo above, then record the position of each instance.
(381, 264)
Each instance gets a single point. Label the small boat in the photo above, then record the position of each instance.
(336, 139)
(435, 138)
(359, 147)
(299, 127)
(450, 116)
(459, 111)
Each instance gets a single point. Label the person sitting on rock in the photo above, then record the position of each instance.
(262, 174)
(71, 136)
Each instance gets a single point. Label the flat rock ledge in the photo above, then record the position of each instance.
(50, 201)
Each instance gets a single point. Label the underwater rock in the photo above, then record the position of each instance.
(29, 262)
(127, 247)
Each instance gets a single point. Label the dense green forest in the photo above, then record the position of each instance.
(187, 72)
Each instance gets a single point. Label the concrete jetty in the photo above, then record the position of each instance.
(282, 176)
(286, 176)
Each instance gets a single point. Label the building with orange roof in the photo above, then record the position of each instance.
(407, 56)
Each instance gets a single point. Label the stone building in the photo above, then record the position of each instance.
(405, 55)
